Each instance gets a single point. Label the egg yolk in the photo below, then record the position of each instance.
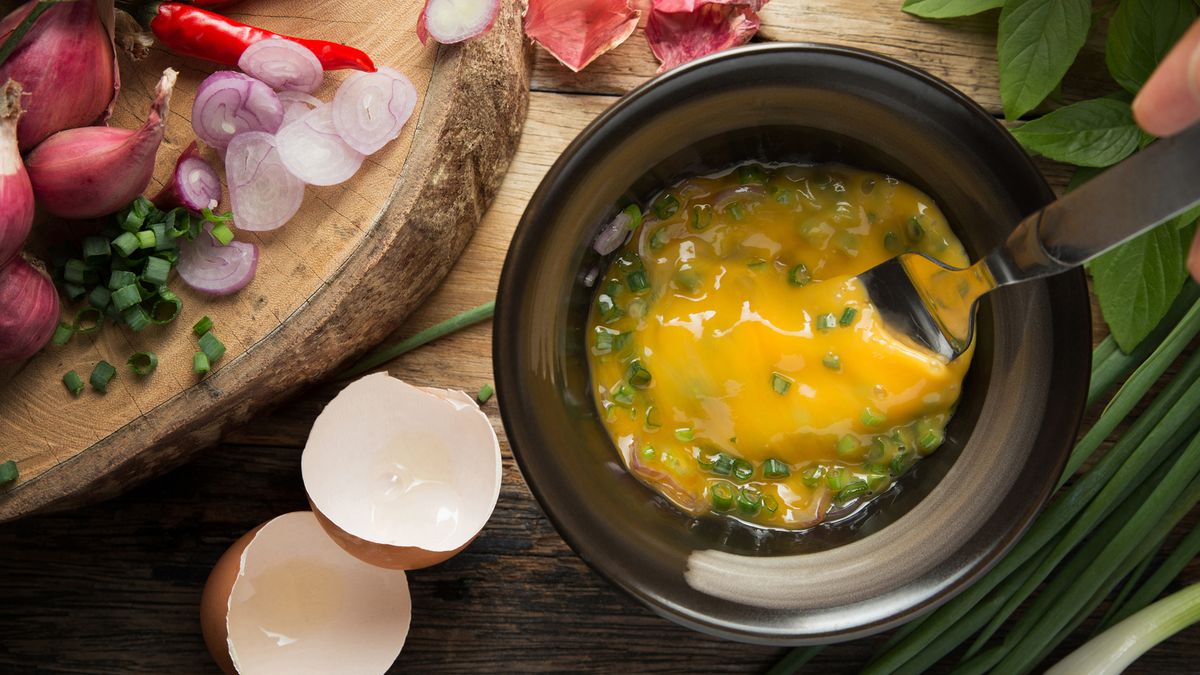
(737, 362)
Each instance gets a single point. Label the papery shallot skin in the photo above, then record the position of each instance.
(683, 30)
(16, 194)
(28, 310)
(576, 32)
(94, 171)
(67, 66)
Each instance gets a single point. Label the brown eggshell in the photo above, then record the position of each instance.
(384, 555)
(214, 601)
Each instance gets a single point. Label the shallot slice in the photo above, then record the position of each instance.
(613, 234)
(193, 184)
(283, 64)
(683, 30)
(228, 103)
(295, 104)
(209, 267)
(450, 21)
(577, 31)
(313, 151)
(262, 192)
(370, 109)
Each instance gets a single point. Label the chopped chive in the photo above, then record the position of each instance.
(914, 229)
(62, 333)
(156, 271)
(877, 481)
(743, 470)
(929, 436)
(891, 242)
(701, 217)
(836, 478)
(687, 279)
(603, 344)
(125, 297)
(102, 374)
(685, 434)
(751, 173)
(750, 500)
(872, 417)
(901, 462)
(846, 445)
(637, 281)
(162, 238)
(773, 468)
(146, 238)
(78, 272)
(8, 472)
(136, 318)
(485, 393)
(212, 347)
(121, 279)
(633, 211)
(74, 291)
(638, 376)
(222, 234)
(756, 264)
(852, 490)
(847, 242)
(832, 361)
(736, 211)
(126, 243)
(622, 340)
(722, 496)
(623, 394)
(826, 321)
(651, 421)
(73, 383)
(722, 464)
(847, 317)
(165, 308)
(609, 311)
(780, 383)
(143, 363)
(202, 326)
(799, 275)
(200, 364)
(87, 320)
(812, 475)
(665, 206)
(99, 297)
(659, 238)
(95, 249)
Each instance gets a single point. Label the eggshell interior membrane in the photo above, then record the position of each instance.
(301, 604)
(394, 465)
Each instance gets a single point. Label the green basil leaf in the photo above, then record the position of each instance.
(1037, 43)
(1140, 34)
(948, 9)
(1099, 132)
(1137, 282)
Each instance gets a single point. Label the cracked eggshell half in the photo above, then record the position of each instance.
(400, 476)
(286, 599)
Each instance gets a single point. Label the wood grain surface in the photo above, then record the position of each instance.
(114, 588)
(355, 260)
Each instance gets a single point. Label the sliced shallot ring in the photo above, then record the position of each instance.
(209, 267)
(283, 65)
(450, 21)
(262, 192)
(314, 152)
(295, 104)
(228, 103)
(370, 109)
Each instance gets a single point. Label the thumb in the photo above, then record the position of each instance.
(1170, 100)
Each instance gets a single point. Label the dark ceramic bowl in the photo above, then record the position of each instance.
(951, 517)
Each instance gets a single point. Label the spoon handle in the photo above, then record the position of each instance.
(1128, 199)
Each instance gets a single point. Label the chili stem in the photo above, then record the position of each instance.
(451, 325)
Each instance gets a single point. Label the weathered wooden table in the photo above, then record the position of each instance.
(114, 588)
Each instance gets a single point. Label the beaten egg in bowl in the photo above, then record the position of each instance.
(737, 363)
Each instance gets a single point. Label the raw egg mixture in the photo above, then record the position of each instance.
(738, 365)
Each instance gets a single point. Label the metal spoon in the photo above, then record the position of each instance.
(934, 304)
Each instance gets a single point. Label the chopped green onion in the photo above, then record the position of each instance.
(162, 238)
(485, 393)
(74, 291)
(126, 243)
(457, 322)
(202, 326)
(780, 383)
(847, 444)
(638, 375)
(222, 234)
(770, 504)
(685, 434)
(143, 363)
(736, 211)
(651, 421)
(929, 435)
(136, 318)
(637, 281)
(8, 471)
(756, 264)
(121, 279)
(633, 211)
(836, 478)
(891, 242)
(62, 333)
(853, 489)
(78, 272)
(156, 271)
(750, 500)
(665, 206)
(722, 464)
(702, 216)
(135, 216)
(826, 321)
(751, 173)
(878, 481)
(609, 311)
(832, 361)
(902, 461)
(799, 275)
(200, 364)
(99, 297)
(812, 475)
(847, 317)
(722, 496)
(623, 394)
(165, 308)
(95, 249)
(73, 383)
(87, 320)
(872, 417)
(102, 374)
(914, 229)
(125, 297)
(743, 470)
(647, 451)
(773, 468)
(603, 344)
(659, 238)
(622, 340)
(146, 238)
(687, 279)
(212, 347)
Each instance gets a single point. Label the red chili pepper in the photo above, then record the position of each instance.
(212, 4)
(192, 31)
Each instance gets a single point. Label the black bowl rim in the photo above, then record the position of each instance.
(505, 331)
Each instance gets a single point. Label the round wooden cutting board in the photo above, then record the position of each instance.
(334, 281)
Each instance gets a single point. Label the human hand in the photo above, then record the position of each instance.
(1169, 102)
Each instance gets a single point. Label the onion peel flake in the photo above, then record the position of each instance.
(683, 30)
(577, 31)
